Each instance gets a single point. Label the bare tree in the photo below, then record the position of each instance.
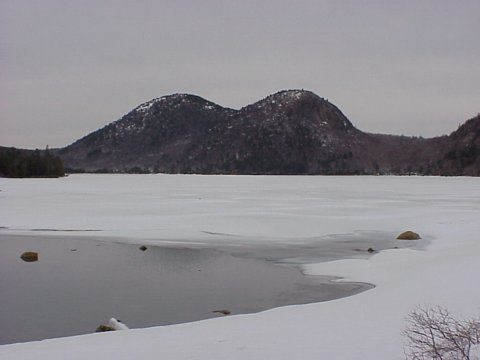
(434, 334)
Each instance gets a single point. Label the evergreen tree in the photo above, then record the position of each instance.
(26, 163)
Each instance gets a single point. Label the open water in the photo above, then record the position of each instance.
(79, 283)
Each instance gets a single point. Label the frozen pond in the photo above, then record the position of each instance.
(77, 284)
(298, 222)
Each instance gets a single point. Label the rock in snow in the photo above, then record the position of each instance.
(408, 235)
(116, 324)
(29, 256)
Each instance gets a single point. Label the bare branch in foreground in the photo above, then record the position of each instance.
(433, 334)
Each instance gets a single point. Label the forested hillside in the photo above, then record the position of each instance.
(18, 163)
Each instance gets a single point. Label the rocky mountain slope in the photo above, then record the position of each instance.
(290, 132)
(462, 155)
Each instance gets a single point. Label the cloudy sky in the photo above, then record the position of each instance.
(71, 67)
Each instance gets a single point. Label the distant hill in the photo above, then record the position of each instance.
(462, 155)
(290, 132)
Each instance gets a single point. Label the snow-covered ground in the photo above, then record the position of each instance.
(236, 210)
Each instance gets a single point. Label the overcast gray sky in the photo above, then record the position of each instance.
(71, 67)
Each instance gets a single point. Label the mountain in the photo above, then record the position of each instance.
(290, 132)
(462, 155)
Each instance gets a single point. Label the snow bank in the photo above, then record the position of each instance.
(205, 209)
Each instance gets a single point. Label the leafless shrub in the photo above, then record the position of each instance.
(433, 334)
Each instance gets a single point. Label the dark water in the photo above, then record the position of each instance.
(78, 284)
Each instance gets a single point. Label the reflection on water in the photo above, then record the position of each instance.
(77, 284)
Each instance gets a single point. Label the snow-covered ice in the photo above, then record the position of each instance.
(245, 210)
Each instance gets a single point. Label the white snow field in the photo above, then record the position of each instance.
(236, 210)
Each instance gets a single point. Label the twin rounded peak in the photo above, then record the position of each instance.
(284, 96)
(293, 96)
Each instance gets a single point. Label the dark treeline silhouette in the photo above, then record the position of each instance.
(17, 163)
